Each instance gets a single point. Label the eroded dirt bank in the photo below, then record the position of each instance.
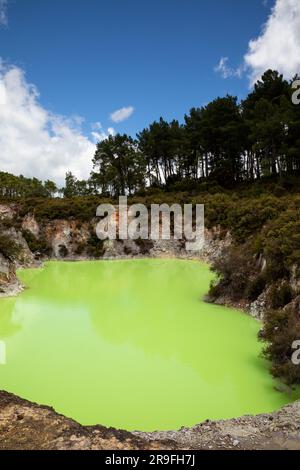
(25, 425)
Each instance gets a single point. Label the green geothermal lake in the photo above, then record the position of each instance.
(130, 344)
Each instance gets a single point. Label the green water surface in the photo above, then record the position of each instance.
(130, 344)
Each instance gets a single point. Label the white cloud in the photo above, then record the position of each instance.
(226, 71)
(121, 114)
(278, 46)
(99, 134)
(34, 141)
(3, 12)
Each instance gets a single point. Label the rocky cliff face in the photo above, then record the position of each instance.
(74, 239)
(7, 272)
(9, 284)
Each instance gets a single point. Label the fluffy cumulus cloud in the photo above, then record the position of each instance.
(36, 142)
(122, 114)
(277, 47)
(3, 12)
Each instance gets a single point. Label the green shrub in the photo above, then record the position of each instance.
(281, 329)
(255, 287)
(95, 246)
(8, 247)
(8, 223)
(234, 268)
(249, 216)
(79, 208)
(36, 245)
(280, 242)
(280, 295)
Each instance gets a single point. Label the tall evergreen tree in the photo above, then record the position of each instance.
(119, 166)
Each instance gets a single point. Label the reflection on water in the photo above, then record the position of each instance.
(130, 344)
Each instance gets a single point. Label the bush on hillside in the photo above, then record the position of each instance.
(95, 246)
(36, 245)
(234, 269)
(8, 247)
(281, 329)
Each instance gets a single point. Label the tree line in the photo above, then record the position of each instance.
(226, 142)
(14, 187)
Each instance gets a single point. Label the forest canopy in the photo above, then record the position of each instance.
(226, 142)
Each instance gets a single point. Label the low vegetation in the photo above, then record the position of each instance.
(265, 260)
(8, 247)
(94, 247)
(281, 329)
(37, 246)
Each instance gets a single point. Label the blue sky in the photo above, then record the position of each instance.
(89, 58)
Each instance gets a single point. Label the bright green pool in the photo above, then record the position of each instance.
(130, 344)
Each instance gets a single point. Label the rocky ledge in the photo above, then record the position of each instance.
(25, 425)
